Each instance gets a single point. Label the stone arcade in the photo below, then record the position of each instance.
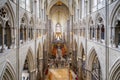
(59, 39)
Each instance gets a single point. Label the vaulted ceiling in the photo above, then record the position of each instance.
(58, 11)
(68, 3)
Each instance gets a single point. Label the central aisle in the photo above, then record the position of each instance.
(60, 74)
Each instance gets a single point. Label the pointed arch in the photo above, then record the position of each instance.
(115, 10)
(93, 63)
(23, 28)
(7, 6)
(31, 28)
(91, 57)
(81, 61)
(8, 16)
(28, 70)
(8, 72)
(115, 71)
(100, 29)
(30, 59)
(115, 25)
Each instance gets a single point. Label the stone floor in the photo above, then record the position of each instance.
(60, 74)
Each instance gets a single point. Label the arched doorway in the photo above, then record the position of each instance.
(8, 73)
(81, 63)
(28, 72)
(94, 68)
(39, 63)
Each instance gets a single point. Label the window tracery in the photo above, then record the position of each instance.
(3, 13)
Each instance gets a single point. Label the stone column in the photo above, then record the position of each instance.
(71, 32)
(68, 34)
(31, 76)
(38, 69)
(41, 69)
(74, 60)
(44, 62)
(3, 37)
(84, 32)
(113, 37)
(34, 75)
(14, 37)
(80, 69)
